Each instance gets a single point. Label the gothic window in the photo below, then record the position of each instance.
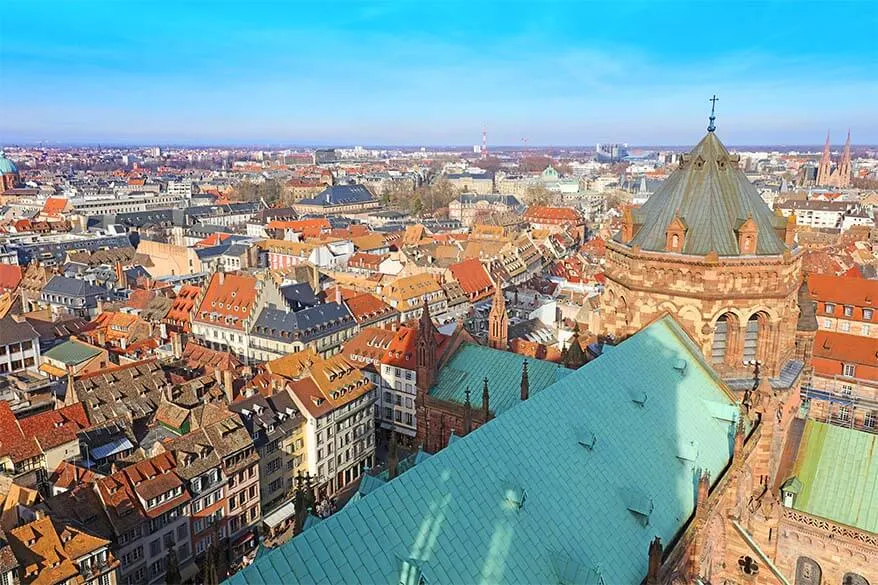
(807, 572)
(751, 339)
(720, 340)
(748, 565)
(853, 579)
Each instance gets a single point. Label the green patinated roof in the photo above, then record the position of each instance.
(521, 500)
(838, 469)
(713, 201)
(471, 363)
(72, 353)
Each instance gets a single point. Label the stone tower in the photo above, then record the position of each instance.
(708, 250)
(843, 173)
(824, 169)
(498, 321)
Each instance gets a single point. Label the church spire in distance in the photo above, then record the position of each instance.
(712, 125)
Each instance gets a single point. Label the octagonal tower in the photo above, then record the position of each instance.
(706, 248)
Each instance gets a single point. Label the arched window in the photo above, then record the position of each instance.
(808, 572)
(720, 340)
(751, 338)
(853, 579)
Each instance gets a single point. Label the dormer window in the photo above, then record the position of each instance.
(675, 235)
(747, 236)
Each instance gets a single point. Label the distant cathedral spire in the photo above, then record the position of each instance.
(825, 167)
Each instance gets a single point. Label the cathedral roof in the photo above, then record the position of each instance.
(713, 198)
(531, 496)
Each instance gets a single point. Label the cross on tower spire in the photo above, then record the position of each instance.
(712, 126)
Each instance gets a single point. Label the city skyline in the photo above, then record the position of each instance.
(556, 74)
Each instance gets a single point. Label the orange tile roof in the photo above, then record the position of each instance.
(48, 550)
(328, 384)
(10, 276)
(366, 306)
(184, 302)
(840, 290)
(368, 347)
(228, 301)
(13, 442)
(364, 260)
(56, 427)
(54, 206)
(846, 348)
(212, 240)
(473, 278)
(540, 212)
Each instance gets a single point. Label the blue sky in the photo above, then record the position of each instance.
(433, 72)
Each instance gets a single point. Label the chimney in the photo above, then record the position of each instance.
(102, 337)
(218, 375)
(655, 561)
(222, 275)
(228, 385)
(121, 277)
(177, 344)
(337, 294)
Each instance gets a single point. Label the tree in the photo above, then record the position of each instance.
(172, 570)
(538, 195)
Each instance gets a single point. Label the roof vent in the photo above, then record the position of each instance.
(638, 503)
(514, 495)
(688, 452)
(680, 365)
(638, 397)
(586, 438)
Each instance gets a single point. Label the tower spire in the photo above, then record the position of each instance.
(844, 167)
(525, 382)
(712, 125)
(825, 167)
(486, 408)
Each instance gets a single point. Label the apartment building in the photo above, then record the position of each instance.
(239, 462)
(843, 389)
(409, 293)
(277, 430)
(147, 505)
(845, 305)
(337, 401)
(19, 345)
(53, 552)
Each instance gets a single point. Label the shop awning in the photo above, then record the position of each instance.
(280, 514)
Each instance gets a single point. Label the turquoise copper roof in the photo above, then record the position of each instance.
(6, 165)
(838, 473)
(713, 198)
(523, 500)
(472, 363)
(72, 352)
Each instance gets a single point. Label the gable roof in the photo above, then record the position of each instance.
(857, 292)
(844, 347)
(713, 196)
(838, 470)
(228, 301)
(522, 500)
(340, 195)
(473, 278)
